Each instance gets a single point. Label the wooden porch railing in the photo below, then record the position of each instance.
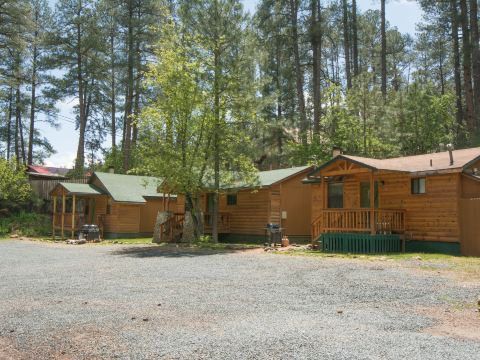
(223, 222)
(358, 220)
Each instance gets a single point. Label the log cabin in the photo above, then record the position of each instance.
(121, 205)
(245, 210)
(432, 201)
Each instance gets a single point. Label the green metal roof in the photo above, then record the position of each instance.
(268, 178)
(271, 177)
(129, 188)
(81, 189)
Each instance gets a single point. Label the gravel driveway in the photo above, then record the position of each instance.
(103, 302)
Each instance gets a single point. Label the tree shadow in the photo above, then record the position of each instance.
(172, 251)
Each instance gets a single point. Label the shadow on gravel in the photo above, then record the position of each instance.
(154, 251)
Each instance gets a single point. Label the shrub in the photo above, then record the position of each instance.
(15, 191)
(26, 224)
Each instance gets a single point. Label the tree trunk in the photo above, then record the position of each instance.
(346, 44)
(384, 51)
(22, 139)
(9, 123)
(80, 160)
(298, 71)
(475, 59)
(136, 104)
(129, 92)
(33, 91)
(316, 40)
(467, 67)
(17, 124)
(113, 108)
(216, 145)
(355, 38)
(456, 60)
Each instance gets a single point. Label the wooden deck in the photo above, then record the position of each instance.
(386, 221)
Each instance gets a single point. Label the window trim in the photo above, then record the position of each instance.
(412, 186)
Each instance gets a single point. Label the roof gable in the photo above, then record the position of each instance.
(414, 164)
(78, 189)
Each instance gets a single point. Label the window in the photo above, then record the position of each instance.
(335, 195)
(231, 199)
(418, 186)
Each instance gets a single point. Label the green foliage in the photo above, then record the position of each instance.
(425, 119)
(14, 186)
(26, 224)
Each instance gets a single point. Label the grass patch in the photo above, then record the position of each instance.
(26, 224)
(133, 241)
(467, 266)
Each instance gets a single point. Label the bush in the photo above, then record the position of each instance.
(26, 224)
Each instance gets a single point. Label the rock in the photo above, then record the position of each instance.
(339, 311)
(159, 304)
(188, 233)
(14, 236)
(162, 216)
(145, 319)
(133, 318)
(417, 258)
(12, 331)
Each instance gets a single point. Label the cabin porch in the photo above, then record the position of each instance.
(355, 208)
(72, 213)
(75, 205)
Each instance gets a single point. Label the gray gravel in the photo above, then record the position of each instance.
(103, 302)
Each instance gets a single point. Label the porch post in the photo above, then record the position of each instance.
(372, 204)
(53, 217)
(168, 202)
(323, 202)
(63, 214)
(73, 217)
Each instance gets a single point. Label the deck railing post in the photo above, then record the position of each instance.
(73, 217)
(54, 214)
(63, 215)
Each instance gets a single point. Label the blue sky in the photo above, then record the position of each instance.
(403, 14)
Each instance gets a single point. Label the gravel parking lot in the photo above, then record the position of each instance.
(137, 302)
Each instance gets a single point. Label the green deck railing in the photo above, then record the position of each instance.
(360, 243)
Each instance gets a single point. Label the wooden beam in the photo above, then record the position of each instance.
(372, 203)
(63, 215)
(53, 217)
(73, 217)
(345, 172)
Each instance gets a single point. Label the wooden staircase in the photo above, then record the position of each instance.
(172, 229)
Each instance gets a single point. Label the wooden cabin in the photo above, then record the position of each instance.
(121, 205)
(278, 198)
(431, 200)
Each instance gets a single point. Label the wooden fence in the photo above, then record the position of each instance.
(470, 227)
(43, 187)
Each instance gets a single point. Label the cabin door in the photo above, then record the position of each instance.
(209, 209)
(365, 195)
